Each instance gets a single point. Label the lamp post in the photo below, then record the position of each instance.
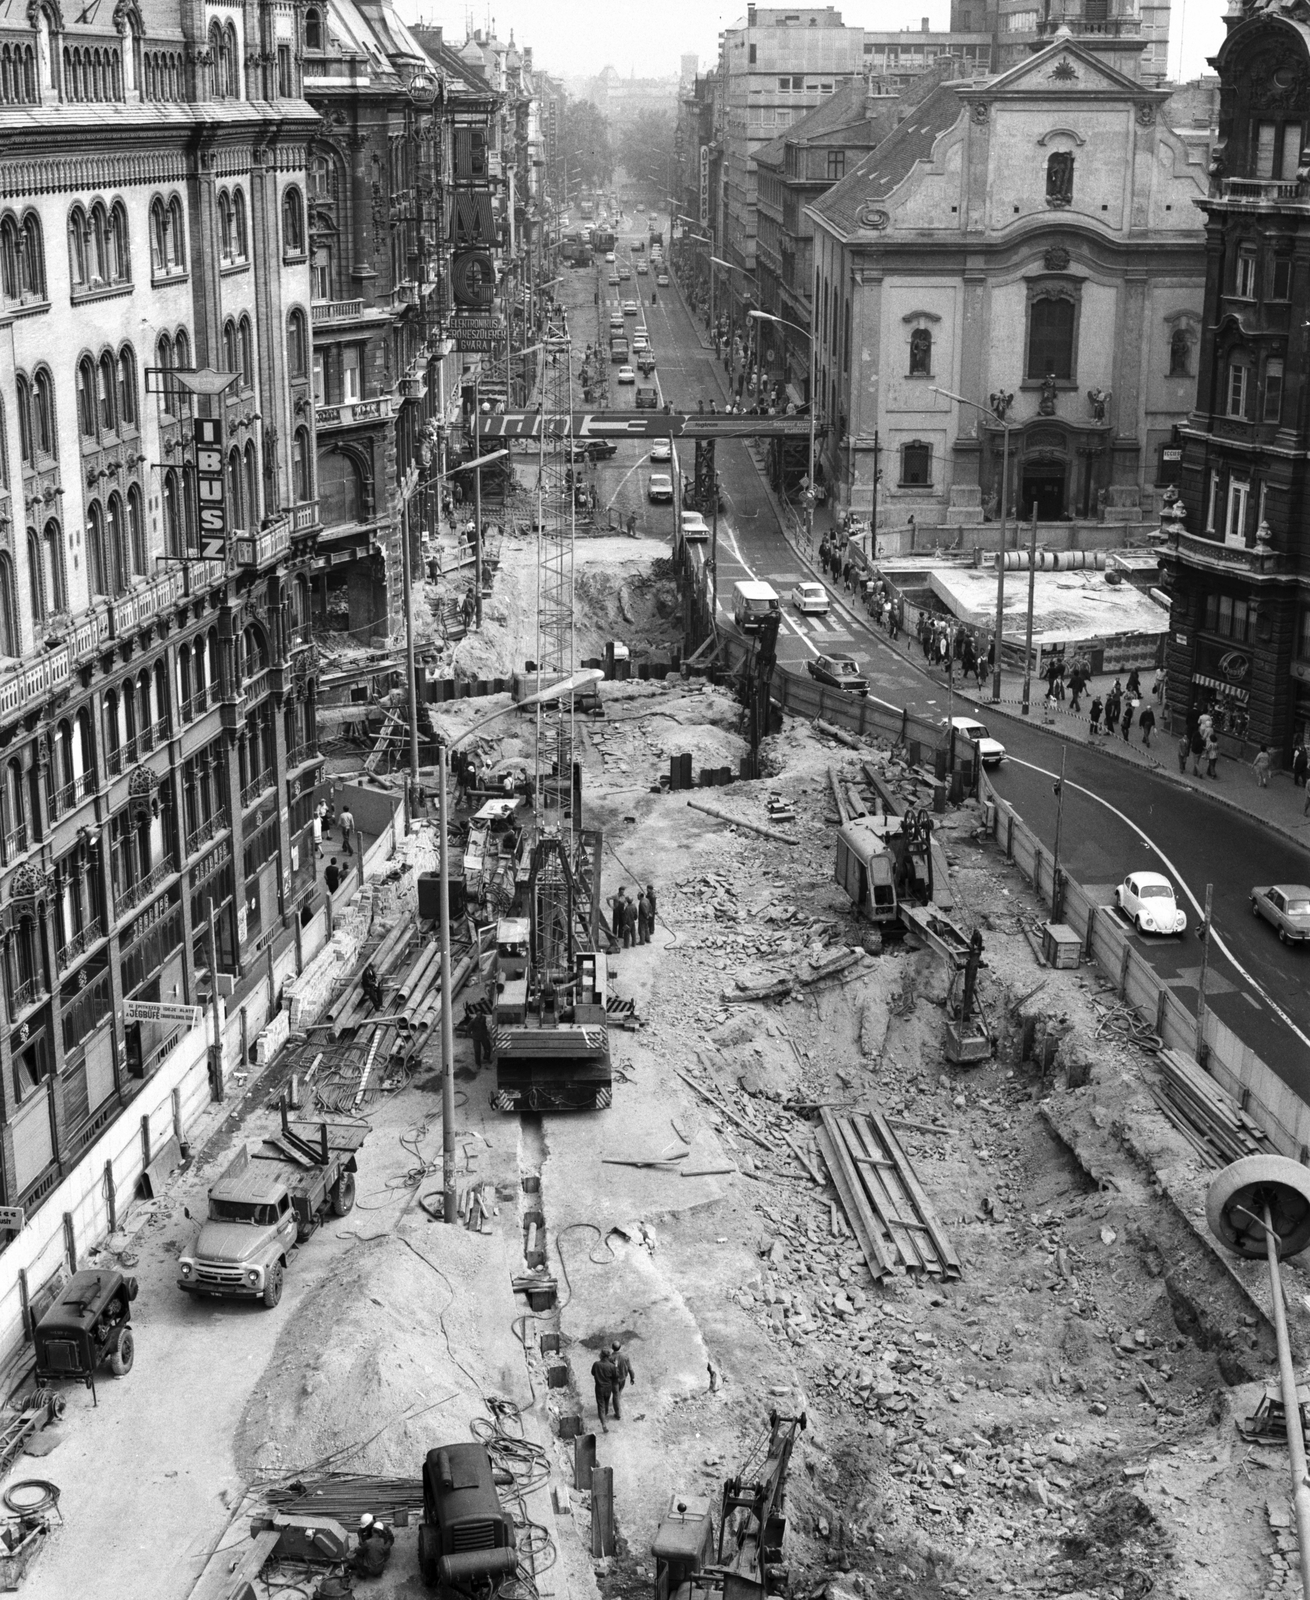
(767, 316)
(998, 410)
(556, 691)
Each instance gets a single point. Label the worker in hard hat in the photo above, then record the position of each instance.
(373, 1547)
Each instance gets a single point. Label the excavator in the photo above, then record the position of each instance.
(745, 1562)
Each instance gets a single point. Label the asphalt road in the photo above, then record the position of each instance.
(1117, 817)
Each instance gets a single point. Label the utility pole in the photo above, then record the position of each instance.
(1056, 896)
(448, 1203)
(1201, 1049)
(477, 501)
(216, 1089)
(1028, 633)
(408, 487)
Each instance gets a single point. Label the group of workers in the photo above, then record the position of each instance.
(611, 1372)
(633, 921)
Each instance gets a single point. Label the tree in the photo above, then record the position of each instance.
(646, 149)
(584, 143)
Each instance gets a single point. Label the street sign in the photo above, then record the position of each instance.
(207, 434)
(641, 425)
(13, 1218)
(473, 334)
(155, 1011)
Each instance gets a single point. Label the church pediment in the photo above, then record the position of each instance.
(1064, 67)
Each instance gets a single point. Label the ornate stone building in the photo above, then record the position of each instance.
(1237, 561)
(1031, 235)
(158, 517)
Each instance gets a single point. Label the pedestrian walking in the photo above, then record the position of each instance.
(643, 919)
(480, 1033)
(1128, 719)
(347, 831)
(332, 876)
(632, 524)
(604, 1374)
(1198, 750)
(1134, 686)
(1094, 716)
(1184, 750)
(1146, 722)
(1262, 764)
(1300, 766)
(1112, 704)
(1212, 755)
(317, 826)
(624, 1375)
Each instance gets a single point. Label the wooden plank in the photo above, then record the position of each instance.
(602, 1511)
(231, 1569)
(892, 1206)
(941, 1239)
(846, 1181)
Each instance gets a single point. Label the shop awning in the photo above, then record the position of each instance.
(1240, 695)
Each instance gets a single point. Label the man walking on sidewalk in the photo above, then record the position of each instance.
(1147, 724)
(1184, 750)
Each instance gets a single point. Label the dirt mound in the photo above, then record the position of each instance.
(364, 1371)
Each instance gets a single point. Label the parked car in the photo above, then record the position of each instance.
(812, 598)
(629, 308)
(659, 486)
(1286, 906)
(627, 375)
(839, 672)
(695, 527)
(601, 449)
(661, 450)
(991, 752)
(663, 280)
(1147, 900)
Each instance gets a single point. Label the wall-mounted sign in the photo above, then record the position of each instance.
(473, 334)
(704, 185)
(156, 1011)
(1234, 665)
(208, 435)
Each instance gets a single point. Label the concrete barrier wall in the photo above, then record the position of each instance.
(1259, 1090)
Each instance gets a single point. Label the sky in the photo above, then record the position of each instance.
(577, 38)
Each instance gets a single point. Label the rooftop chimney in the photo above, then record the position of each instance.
(923, 26)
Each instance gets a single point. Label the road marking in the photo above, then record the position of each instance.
(1182, 882)
(726, 533)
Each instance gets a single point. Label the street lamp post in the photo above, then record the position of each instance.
(997, 410)
(557, 691)
(767, 316)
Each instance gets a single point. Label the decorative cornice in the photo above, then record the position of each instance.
(104, 170)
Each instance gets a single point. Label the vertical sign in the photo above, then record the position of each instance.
(208, 436)
(552, 128)
(704, 185)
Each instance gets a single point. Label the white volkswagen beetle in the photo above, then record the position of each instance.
(1147, 900)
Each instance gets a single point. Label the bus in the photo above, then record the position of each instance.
(603, 240)
(587, 210)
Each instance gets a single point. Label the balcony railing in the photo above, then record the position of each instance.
(125, 756)
(1262, 189)
(1214, 553)
(199, 837)
(268, 545)
(136, 892)
(79, 943)
(336, 310)
(300, 636)
(299, 754)
(15, 841)
(159, 731)
(27, 994)
(194, 704)
(69, 795)
(257, 786)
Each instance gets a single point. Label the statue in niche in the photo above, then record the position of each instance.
(1098, 399)
(1059, 178)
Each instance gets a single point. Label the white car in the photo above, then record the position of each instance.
(695, 527)
(609, 255)
(812, 597)
(1147, 900)
(629, 308)
(642, 269)
(639, 343)
(990, 751)
(627, 375)
(663, 280)
(659, 486)
(661, 450)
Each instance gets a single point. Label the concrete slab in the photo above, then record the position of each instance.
(1067, 606)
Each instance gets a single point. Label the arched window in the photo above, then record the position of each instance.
(4, 448)
(234, 488)
(1180, 354)
(136, 531)
(35, 576)
(250, 487)
(172, 514)
(114, 543)
(22, 259)
(916, 463)
(164, 360)
(176, 259)
(230, 346)
(120, 261)
(56, 589)
(313, 29)
(233, 61)
(43, 414)
(97, 250)
(218, 58)
(127, 387)
(182, 345)
(246, 343)
(23, 392)
(224, 225)
(301, 480)
(921, 353)
(77, 247)
(106, 382)
(9, 246)
(158, 238)
(8, 611)
(297, 345)
(86, 397)
(293, 223)
(97, 566)
(240, 239)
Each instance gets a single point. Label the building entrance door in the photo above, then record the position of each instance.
(1043, 486)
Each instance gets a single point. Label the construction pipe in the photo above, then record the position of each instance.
(737, 822)
(1056, 560)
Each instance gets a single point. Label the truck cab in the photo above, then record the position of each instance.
(683, 1547)
(752, 603)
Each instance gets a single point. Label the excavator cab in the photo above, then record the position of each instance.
(683, 1548)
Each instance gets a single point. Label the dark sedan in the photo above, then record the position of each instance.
(839, 672)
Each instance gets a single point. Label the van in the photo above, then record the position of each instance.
(647, 398)
(618, 350)
(751, 603)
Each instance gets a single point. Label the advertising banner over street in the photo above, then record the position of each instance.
(641, 425)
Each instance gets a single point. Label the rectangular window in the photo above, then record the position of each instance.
(285, 81)
(1212, 510)
(1281, 287)
(1237, 389)
(1239, 492)
(1212, 613)
(1244, 285)
(1225, 623)
(1291, 151)
(1273, 391)
(836, 165)
(1050, 339)
(1266, 134)
(916, 464)
(351, 389)
(318, 378)
(1304, 649)
(751, 55)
